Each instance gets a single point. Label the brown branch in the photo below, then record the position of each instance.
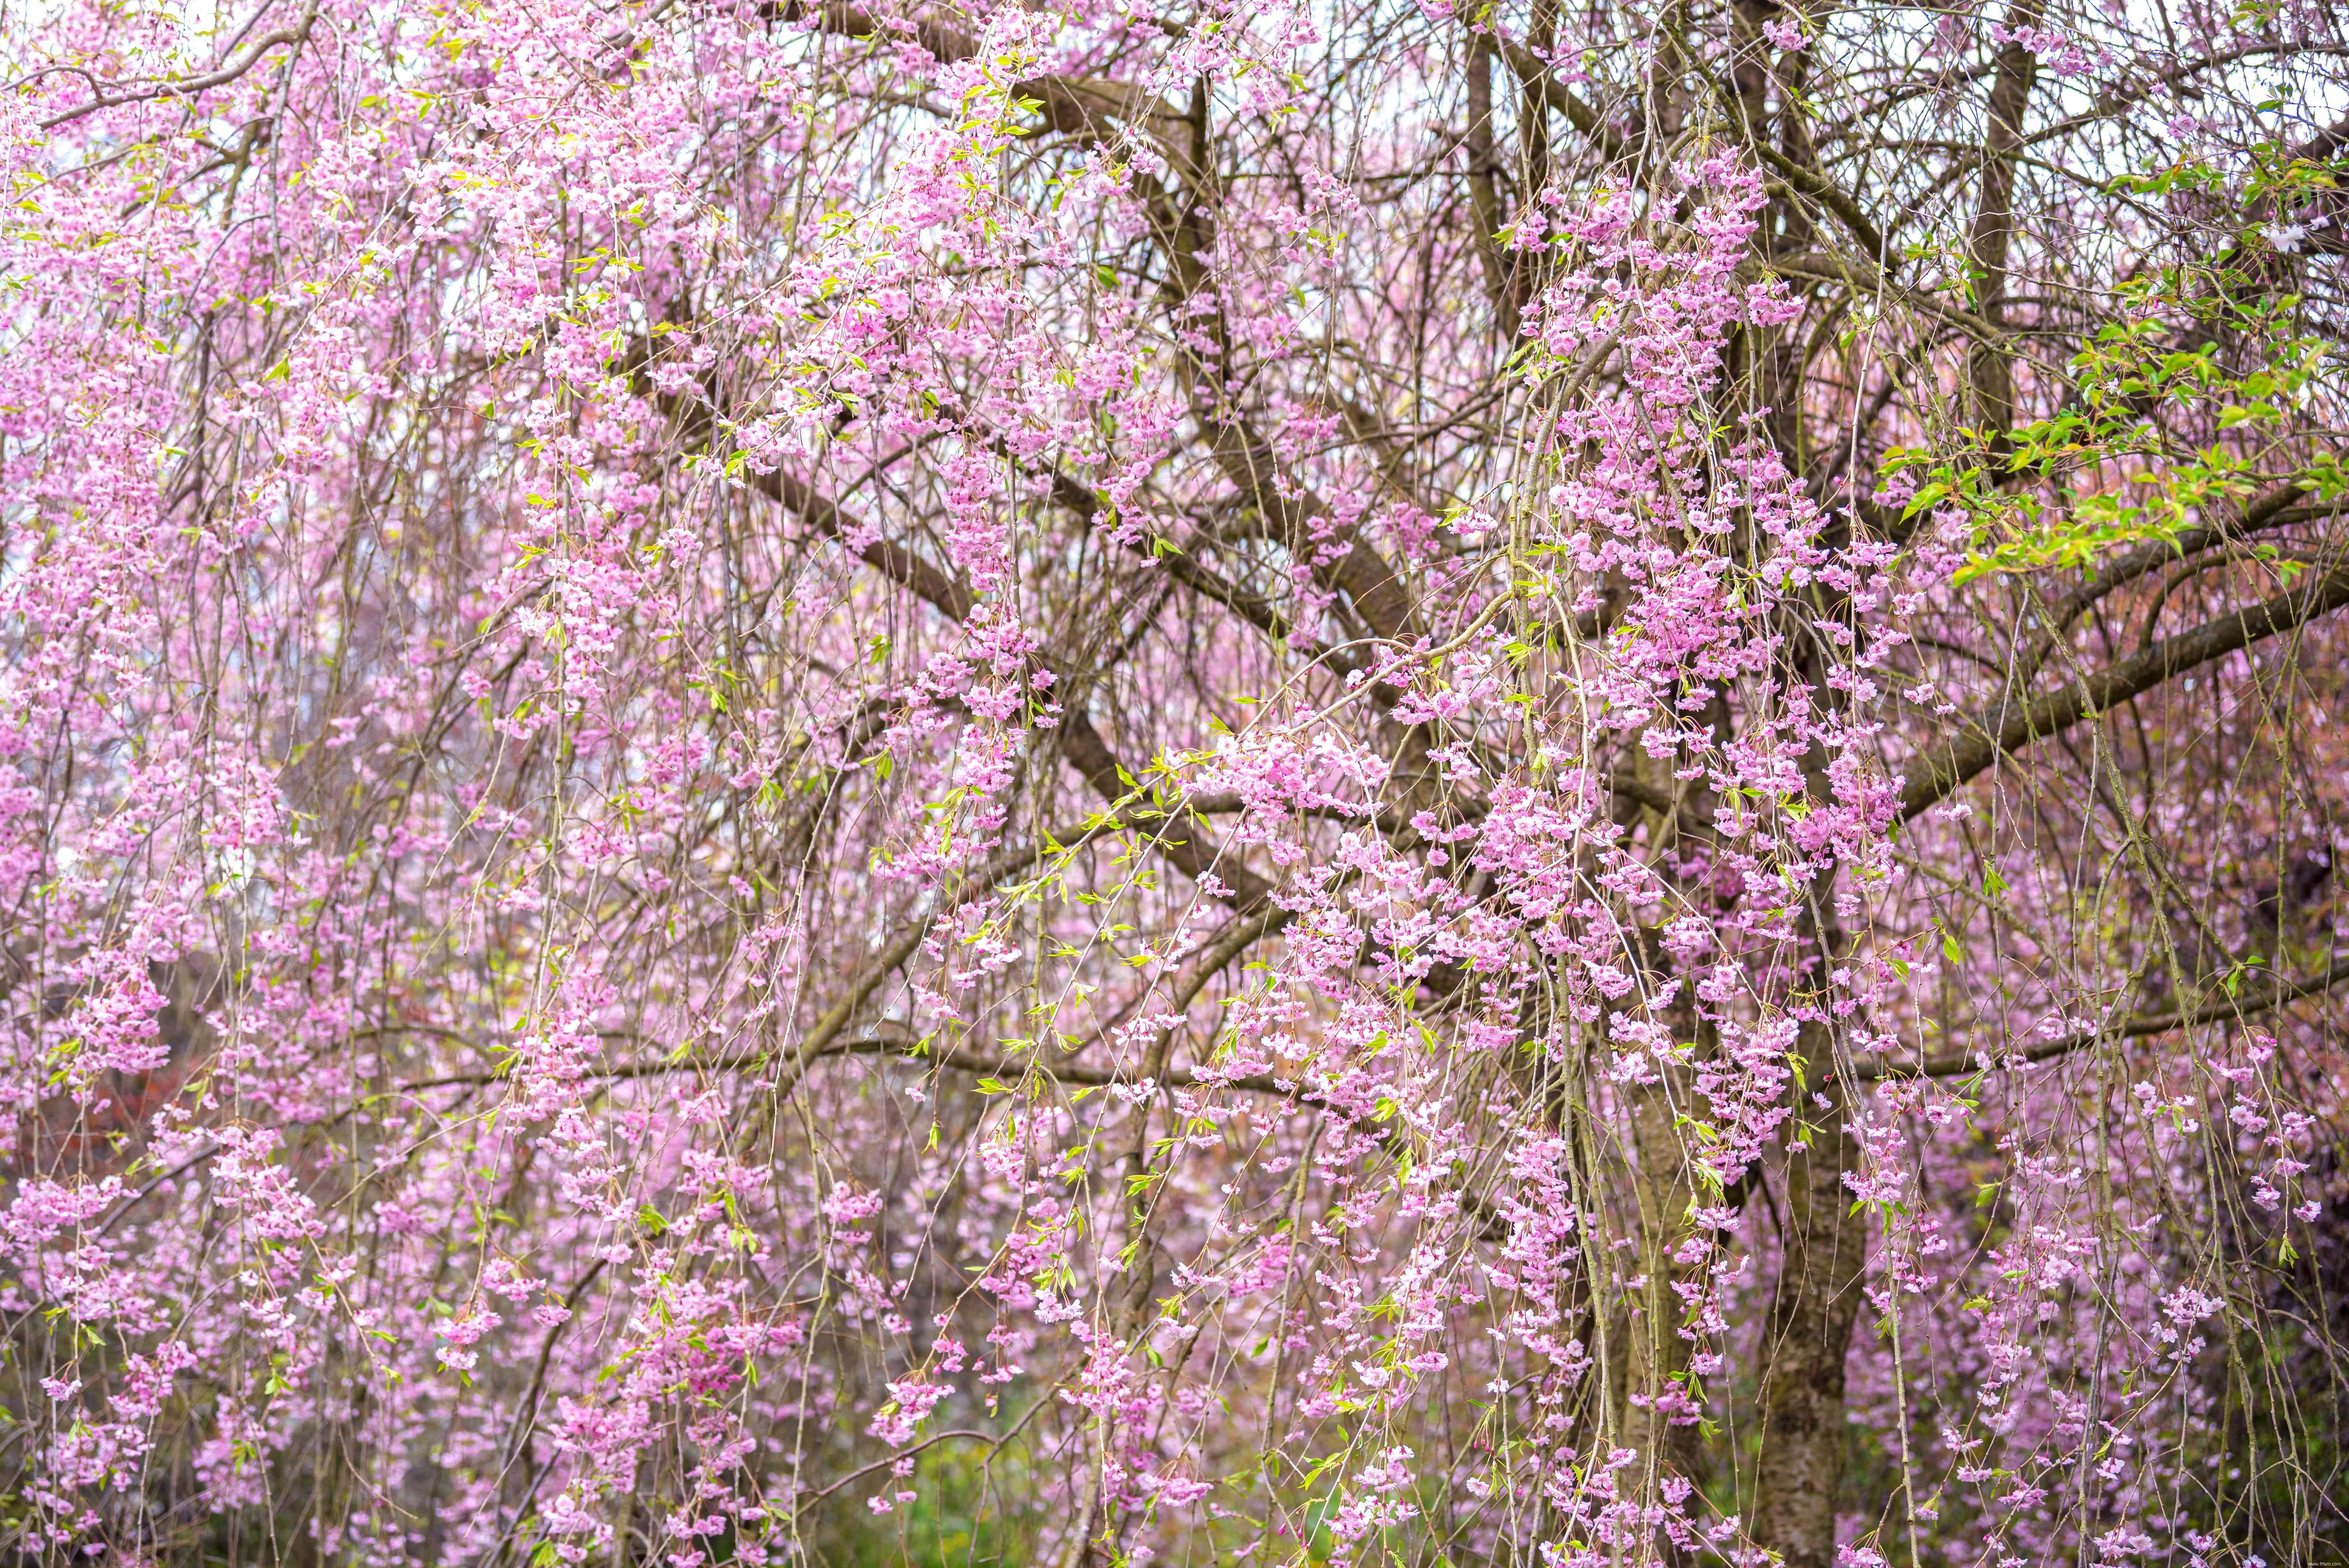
(2234, 1009)
(1361, 573)
(1179, 563)
(1085, 108)
(2274, 509)
(1534, 75)
(1485, 192)
(1828, 267)
(229, 72)
(1981, 741)
(1809, 181)
(945, 44)
(894, 561)
(1195, 855)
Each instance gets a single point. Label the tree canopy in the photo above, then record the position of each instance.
(1358, 783)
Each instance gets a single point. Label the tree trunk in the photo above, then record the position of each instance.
(1992, 375)
(1808, 1332)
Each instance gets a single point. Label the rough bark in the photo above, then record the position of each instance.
(1657, 1355)
(1807, 1334)
(1991, 372)
(1485, 192)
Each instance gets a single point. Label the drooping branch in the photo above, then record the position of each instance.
(1983, 739)
(2231, 1010)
